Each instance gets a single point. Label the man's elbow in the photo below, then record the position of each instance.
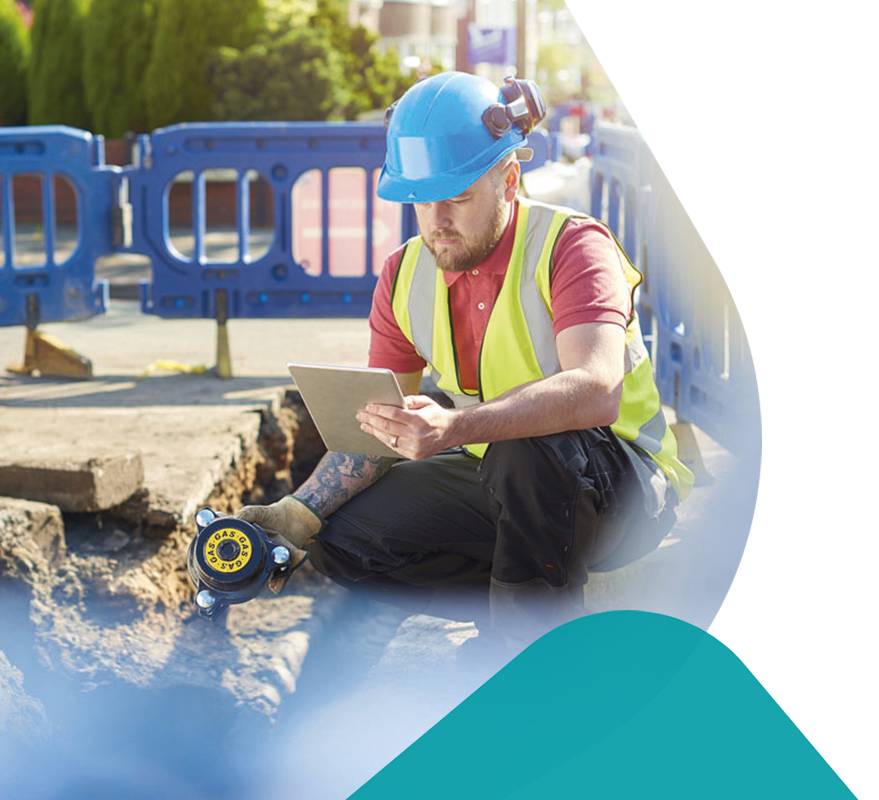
(608, 413)
(596, 398)
(605, 406)
(610, 418)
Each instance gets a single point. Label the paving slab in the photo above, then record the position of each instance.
(70, 481)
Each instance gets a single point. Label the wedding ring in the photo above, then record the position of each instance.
(394, 441)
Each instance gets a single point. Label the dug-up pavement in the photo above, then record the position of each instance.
(100, 480)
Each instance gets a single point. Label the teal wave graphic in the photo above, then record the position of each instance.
(625, 704)
(748, 715)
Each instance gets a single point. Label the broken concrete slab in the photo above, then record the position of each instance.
(73, 484)
(31, 537)
(166, 461)
(187, 453)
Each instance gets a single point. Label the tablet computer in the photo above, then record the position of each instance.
(334, 395)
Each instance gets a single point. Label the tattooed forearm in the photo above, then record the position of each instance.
(340, 476)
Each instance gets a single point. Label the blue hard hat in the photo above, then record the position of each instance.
(449, 130)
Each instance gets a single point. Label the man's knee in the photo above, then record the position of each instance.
(342, 564)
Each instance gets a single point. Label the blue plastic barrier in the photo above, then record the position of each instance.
(333, 165)
(39, 285)
(540, 142)
(568, 143)
(696, 339)
(276, 283)
(616, 180)
(324, 232)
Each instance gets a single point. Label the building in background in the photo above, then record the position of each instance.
(482, 36)
(424, 33)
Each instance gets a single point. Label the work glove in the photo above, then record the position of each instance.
(289, 518)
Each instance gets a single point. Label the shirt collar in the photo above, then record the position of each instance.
(498, 259)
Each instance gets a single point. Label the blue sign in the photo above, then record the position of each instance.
(491, 45)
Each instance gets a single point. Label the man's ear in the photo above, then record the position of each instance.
(511, 185)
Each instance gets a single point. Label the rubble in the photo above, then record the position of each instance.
(31, 539)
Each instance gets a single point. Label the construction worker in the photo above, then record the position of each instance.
(552, 457)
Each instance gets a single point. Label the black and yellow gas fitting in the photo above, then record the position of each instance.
(231, 561)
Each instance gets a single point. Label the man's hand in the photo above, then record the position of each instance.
(289, 517)
(420, 430)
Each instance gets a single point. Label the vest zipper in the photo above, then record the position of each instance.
(479, 361)
(454, 346)
(455, 353)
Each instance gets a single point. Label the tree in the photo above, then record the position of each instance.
(117, 40)
(308, 65)
(297, 77)
(282, 16)
(177, 87)
(14, 52)
(54, 77)
(374, 77)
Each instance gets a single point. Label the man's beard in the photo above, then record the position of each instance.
(474, 250)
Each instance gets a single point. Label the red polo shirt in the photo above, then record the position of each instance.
(587, 285)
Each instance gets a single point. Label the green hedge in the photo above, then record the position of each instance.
(117, 41)
(54, 78)
(373, 78)
(14, 52)
(113, 66)
(177, 88)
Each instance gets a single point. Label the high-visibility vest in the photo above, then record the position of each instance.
(519, 344)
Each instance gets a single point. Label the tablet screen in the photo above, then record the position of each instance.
(334, 395)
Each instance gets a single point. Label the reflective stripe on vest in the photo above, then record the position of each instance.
(519, 343)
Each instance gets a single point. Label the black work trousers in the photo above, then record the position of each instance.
(527, 523)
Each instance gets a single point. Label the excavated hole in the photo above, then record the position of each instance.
(118, 606)
(107, 551)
